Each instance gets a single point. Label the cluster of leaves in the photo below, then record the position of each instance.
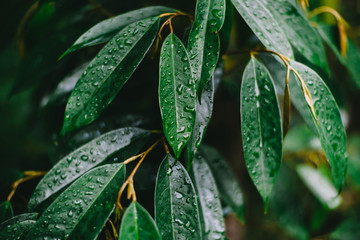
(80, 193)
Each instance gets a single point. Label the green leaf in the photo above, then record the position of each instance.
(17, 219)
(319, 185)
(108, 72)
(176, 207)
(351, 61)
(211, 213)
(329, 125)
(227, 184)
(204, 43)
(260, 127)
(82, 160)
(105, 30)
(261, 21)
(299, 32)
(17, 230)
(81, 211)
(138, 224)
(202, 120)
(6, 211)
(177, 94)
(225, 32)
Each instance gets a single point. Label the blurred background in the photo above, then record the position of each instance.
(34, 87)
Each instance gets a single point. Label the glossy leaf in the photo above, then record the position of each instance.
(320, 186)
(211, 213)
(204, 43)
(227, 184)
(260, 127)
(17, 219)
(299, 32)
(138, 224)
(108, 72)
(262, 22)
(203, 116)
(225, 32)
(6, 211)
(329, 124)
(176, 207)
(83, 159)
(105, 30)
(177, 96)
(351, 61)
(81, 211)
(16, 230)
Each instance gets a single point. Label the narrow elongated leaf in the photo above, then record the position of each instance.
(351, 61)
(225, 32)
(108, 72)
(105, 30)
(299, 32)
(81, 211)
(176, 207)
(17, 219)
(6, 211)
(260, 127)
(204, 43)
(137, 224)
(16, 230)
(227, 184)
(320, 186)
(83, 159)
(329, 125)
(265, 27)
(203, 116)
(211, 213)
(177, 94)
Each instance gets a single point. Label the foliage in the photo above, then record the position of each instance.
(141, 86)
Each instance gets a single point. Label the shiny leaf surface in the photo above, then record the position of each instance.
(83, 159)
(6, 211)
(329, 126)
(81, 211)
(16, 230)
(204, 43)
(227, 184)
(137, 224)
(105, 30)
(176, 207)
(261, 21)
(177, 95)
(108, 72)
(299, 32)
(260, 127)
(17, 219)
(225, 32)
(211, 213)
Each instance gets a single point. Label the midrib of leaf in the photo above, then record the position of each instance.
(111, 72)
(260, 130)
(100, 193)
(136, 222)
(174, 88)
(171, 208)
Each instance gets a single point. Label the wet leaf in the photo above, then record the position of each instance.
(260, 127)
(227, 184)
(82, 160)
(177, 96)
(204, 44)
(17, 219)
(225, 32)
(211, 213)
(138, 224)
(176, 207)
(329, 127)
(262, 22)
(105, 30)
(108, 72)
(302, 36)
(6, 211)
(81, 211)
(351, 61)
(16, 230)
(320, 186)
(203, 116)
